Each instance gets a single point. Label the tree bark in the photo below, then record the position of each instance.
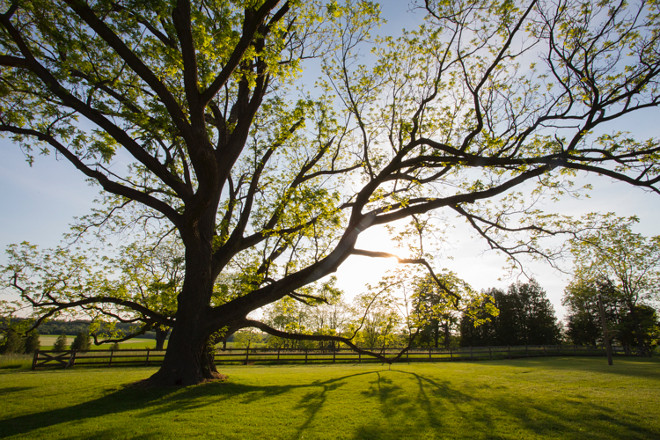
(606, 334)
(187, 361)
(161, 336)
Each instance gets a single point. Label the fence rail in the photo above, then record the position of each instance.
(246, 356)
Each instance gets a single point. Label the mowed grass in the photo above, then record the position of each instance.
(543, 398)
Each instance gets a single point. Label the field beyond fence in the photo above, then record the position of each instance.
(248, 356)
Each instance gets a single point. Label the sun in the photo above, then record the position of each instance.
(358, 271)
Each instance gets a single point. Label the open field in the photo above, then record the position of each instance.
(543, 398)
(47, 342)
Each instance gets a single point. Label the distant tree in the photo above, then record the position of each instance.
(32, 342)
(308, 312)
(380, 326)
(81, 342)
(66, 327)
(247, 338)
(534, 314)
(584, 325)
(12, 342)
(624, 268)
(332, 318)
(287, 315)
(526, 317)
(477, 328)
(436, 305)
(60, 343)
(615, 254)
(634, 330)
(640, 328)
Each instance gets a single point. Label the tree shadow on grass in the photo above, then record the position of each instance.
(157, 401)
(405, 404)
(437, 410)
(127, 399)
(9, 390)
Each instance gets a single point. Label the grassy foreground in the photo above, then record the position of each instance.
(562, 398)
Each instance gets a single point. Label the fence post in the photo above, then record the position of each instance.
(278, 354)
(359, 357)
(35, 358)
(247, 354)
(430, 357)
(334, 355)
(110, 360)
(451, 354)
(72, 359)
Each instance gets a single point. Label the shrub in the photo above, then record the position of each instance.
(60, 343)
(81, 342)
(32, 343)
(13, 343)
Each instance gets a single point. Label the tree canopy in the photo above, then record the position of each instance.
(201, 115)
(617, 255)
(622, 269)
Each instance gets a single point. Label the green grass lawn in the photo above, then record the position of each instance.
(543, 398)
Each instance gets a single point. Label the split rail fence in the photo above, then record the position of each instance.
(249, 356)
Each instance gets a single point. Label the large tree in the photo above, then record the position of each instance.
(191, 110)
(622, 267)
(617, 255)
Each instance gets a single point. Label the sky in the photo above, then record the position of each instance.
(40, 201)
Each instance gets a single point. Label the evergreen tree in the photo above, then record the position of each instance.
(13, 343)
(526, 317)
(81, 342)
(60, 343)
(32, 342)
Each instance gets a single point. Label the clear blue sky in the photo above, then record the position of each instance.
(39, 202)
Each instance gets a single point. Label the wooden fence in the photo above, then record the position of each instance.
(248, 356)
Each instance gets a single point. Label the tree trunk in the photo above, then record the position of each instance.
(161, 335)
(606, 334)
(183, 363)
(187, 360)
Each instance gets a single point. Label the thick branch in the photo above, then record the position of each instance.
(304, 337)
(142, 330)
(97, 117)
(89, 17)
(107, 184)
(253, 21)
